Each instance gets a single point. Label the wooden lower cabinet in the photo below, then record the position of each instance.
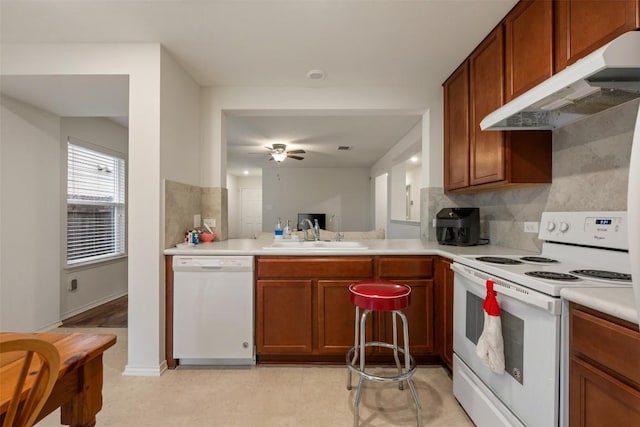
(444, 310)
(284, 316)
(336, 317)
(419, 316)
(598, 399)
(604, 374)
(304, 312)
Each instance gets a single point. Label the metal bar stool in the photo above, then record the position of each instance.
(385, 296)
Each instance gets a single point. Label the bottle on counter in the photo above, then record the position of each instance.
(287, 230)
(278, 231)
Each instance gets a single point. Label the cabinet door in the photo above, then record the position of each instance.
(582, 26)
(336, 317)
(597, 399)
(420, 318)
(284, 316)
(528, 46)
(456, 129)
(487, 148)
(444, 311)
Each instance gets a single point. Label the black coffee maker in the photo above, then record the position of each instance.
(458, 226)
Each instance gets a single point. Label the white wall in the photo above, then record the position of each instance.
(392, 163)
(141, 62)
(104, 281)
(179, 160)
(344, 192)
(233, 206)
(29, 217)
(381, 203)
(414, 179)
(294, 100)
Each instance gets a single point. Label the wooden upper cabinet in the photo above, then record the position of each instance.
(528, 46)
(456, 129)
(476, 160)
(486, 81)
(583, 26)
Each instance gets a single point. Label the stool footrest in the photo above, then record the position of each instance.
(396, 378)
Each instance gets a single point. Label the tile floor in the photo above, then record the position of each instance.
(270, 396)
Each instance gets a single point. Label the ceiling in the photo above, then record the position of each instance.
(414, 43)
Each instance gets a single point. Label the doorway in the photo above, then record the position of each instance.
(250, 212)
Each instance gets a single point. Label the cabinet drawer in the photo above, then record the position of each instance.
(401, 267)
(315, 267)
(613, 346)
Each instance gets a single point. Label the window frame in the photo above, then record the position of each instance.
(100, 259)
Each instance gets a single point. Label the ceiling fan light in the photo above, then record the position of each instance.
(279, 156)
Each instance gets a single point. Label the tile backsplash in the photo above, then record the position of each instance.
(183, 201)
(590, 172)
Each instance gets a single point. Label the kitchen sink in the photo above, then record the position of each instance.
(316, 245)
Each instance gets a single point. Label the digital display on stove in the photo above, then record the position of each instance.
(603, 221)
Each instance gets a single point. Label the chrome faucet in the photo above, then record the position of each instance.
(314, 227)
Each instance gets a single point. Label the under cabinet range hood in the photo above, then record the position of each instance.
(608, 77)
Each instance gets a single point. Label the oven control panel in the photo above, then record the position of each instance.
(601, 229)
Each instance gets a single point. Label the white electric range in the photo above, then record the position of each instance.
(580, 249)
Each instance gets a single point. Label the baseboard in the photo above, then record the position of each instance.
(50, 327)
(92, 304)
(145, 371)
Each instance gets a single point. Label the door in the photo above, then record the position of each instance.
(284, 317)
(444, 310)
(583, 26)
(486, 80)
(336, 317)
(250, 212)
(456, 129)
(528, 46)
(420, 318)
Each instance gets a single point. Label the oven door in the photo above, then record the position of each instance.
(527, 392)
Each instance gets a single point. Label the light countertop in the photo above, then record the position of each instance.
(617, 302)
(373, 247)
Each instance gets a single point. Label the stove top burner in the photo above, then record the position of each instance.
(602, 274)
(552, 275)
(499, 260)
(539, 259)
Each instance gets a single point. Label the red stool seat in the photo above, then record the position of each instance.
(380, 295)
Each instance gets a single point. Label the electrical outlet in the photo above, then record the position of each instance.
(73, 285)
(433, 224)
(531, 226)
(196, 221)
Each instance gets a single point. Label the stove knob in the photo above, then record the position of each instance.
(551, 226)
(564, 227)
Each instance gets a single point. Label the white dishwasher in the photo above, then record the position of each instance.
(213, 306)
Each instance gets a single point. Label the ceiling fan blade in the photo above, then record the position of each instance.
(296, 152)
(295, 157)
(268, 148)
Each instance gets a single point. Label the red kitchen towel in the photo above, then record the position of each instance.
(490, 347)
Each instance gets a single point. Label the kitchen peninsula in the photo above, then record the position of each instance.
(318, 327)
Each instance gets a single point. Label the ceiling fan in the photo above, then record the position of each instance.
(279, 153)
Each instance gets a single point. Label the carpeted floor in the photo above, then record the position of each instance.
(262, 396)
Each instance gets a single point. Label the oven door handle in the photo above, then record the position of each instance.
(520, 293)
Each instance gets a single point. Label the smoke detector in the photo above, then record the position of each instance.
(316, 75)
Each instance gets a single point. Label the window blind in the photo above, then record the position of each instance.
(95, 205)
